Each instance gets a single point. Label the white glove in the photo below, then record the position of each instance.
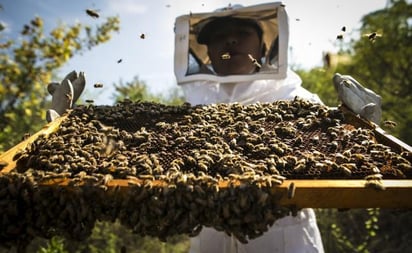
(359, 99)
(65, 94)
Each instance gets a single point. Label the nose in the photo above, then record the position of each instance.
(231, 39)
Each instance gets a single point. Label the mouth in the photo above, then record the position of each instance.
(225, 56)
(229, 54)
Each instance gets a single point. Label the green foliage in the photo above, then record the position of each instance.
(365, 230)
(27, 66)
(319, 81)
(55, 245)
(384, 64)
(136, 90)
(110, 237)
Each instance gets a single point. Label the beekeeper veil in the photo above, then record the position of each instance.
(192, 63)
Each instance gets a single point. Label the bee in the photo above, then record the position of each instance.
(147, 177)
(148, 184)
(343, 29)
(69, 97)
(107, 178)
(254, 61)
(92, 13)
(377, 176)
(345, 170)
(98, 85)
(299, 167)
(142, 36)
(26, 30)
(315, 138)
(119, 61)
(372, 36)
(375, 184)
(390, 124)
(3, 164)
(402, 166)
(263, 196)
(90, 101)
(225, 56)
(291, 190)
(25, 136)
(199, 189)
(339, 37)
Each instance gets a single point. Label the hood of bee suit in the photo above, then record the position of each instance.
(191, 62)
(247, 92)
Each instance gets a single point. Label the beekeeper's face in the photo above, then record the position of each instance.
(232, 48)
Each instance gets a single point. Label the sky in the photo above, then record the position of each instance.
(313, 27)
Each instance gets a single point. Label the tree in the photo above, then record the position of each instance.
(137, 90)
(319, 81)
(27, 66)
(381, 61)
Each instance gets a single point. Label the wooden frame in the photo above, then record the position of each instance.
(348, 193)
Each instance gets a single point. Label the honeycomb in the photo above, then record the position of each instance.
(175, 159)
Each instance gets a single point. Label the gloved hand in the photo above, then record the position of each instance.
(65, 94)
(359, 99)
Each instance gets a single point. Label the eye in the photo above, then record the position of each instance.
(244, 32)
(217, 38)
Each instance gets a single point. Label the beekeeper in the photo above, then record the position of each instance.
(239, 54)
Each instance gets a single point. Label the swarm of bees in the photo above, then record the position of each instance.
(185, 166)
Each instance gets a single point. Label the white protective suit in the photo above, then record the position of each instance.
(290, 234)
(274, 81)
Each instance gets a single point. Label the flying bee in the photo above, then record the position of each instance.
(119, 61)
(254, 61)
(92, 13)
(372, 36)
(142, 36)
(98, 85)
(390, 124)
(225, 56)
(339, 37)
